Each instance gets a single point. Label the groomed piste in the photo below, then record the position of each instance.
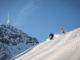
(62, 47)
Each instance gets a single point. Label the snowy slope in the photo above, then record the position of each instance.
(63, 47)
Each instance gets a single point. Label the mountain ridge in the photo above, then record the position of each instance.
(14, 41)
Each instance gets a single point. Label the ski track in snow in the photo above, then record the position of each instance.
(64, 47)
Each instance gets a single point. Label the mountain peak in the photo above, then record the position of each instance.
(14, 40)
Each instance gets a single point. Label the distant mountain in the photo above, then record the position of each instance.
(62, 47)
(13, 41)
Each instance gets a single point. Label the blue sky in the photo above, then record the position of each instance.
(40, 17)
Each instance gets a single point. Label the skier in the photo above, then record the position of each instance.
(62, 30)
(51, 36)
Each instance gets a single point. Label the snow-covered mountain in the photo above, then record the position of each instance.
(62, 47)
(13, 41)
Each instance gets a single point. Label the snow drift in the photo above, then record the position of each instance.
(62, 47)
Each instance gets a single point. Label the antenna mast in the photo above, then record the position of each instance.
(8, 20)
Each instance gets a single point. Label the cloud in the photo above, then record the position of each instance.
(27, 10)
